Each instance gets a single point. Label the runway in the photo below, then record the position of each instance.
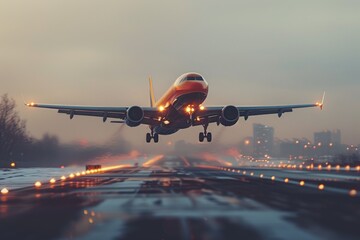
(183, 198)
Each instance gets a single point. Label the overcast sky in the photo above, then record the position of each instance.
(251, 53)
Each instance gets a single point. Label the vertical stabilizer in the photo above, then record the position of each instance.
(152, 97)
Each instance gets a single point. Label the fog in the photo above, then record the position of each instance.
(251, 53)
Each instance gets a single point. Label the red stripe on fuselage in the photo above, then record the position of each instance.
(183, 88)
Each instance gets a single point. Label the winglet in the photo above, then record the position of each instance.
(321, 104)
(152, 97)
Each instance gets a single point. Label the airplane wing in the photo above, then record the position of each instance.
(213, 114)
(150, 114)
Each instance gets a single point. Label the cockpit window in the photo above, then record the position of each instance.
(193, 78)
(189, 77)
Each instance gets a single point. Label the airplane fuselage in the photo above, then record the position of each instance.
(184, 97)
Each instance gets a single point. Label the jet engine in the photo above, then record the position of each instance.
(229, 115)
(134, 116)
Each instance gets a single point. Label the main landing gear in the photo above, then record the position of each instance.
(152, 135)
(205, 134)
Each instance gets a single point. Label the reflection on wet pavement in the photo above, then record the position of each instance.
(181, 202)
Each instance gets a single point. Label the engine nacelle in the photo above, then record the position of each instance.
(134, 116)
(229, 115)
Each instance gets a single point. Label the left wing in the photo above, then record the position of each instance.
(150, 114)
(213, 114)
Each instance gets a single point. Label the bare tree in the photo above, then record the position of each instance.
(12, 128)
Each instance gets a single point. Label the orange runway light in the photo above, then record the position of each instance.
(321, 187)
(286, 180)
(4, 191)
(63, 178)
(52, 180)
(86, 212)
(301, 183)
(37, 184)
(12, 164)
(202, 107)
(261, 175)
(71, 175)
(77, 174)
(352, 192)
(273, 178)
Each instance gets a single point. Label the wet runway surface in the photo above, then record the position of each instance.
(172, 199)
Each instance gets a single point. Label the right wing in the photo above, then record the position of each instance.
(150, 113)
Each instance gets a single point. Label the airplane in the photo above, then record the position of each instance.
(179, 108)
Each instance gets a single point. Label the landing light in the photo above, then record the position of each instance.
(37, 184)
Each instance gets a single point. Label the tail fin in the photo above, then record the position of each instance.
(152, 97)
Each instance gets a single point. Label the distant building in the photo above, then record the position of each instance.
(336, 137)
(327, 138)
(263, 140)
(322, 138)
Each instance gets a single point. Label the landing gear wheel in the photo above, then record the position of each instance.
(156, 137)
(209, 136)
(148, 137)
(201, 137)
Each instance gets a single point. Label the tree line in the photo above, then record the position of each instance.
(17, 145)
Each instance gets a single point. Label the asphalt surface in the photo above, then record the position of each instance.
(179, 198)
